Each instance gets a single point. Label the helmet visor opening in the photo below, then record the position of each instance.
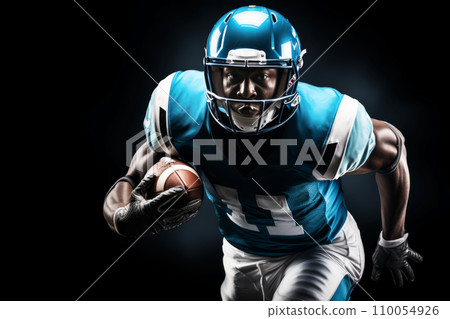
(252, 83)
(251, 97)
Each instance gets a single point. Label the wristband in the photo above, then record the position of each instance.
(122, 211)
(391, 243)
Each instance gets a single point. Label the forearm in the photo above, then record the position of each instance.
(393, 249)
(388, 160)
(118, 197)
(393, 189)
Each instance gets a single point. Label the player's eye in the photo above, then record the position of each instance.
(233, 77)
(262, 77)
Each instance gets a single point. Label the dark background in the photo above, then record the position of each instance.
(391, 60)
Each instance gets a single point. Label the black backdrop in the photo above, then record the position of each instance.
(390, 60)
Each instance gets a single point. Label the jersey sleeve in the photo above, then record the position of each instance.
(156, 122)
(349, 142)
(176, 111)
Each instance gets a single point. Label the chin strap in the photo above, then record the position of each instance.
(300, 61)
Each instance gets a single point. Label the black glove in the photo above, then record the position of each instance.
(153, 215)
(393, 257)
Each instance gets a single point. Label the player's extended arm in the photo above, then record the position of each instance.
(129, 213)
(388, 160)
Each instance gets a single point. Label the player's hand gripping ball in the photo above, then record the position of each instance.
(170, 172)
(173, 175)
(169, 195)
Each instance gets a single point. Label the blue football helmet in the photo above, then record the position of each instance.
(246, 39)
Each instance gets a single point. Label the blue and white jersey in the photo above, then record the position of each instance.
(276, 194)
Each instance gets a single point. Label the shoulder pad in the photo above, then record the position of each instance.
(177, 110)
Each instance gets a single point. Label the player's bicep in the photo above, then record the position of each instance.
(386, 150)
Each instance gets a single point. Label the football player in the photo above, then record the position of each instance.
(276, 149)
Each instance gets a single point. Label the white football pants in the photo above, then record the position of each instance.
(322, 272)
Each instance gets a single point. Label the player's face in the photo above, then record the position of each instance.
(249, 84)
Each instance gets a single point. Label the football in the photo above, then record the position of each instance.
(172, 172)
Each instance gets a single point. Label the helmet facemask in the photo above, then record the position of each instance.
(251, 114)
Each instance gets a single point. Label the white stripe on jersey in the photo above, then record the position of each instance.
(340, 134)
(160, 102)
